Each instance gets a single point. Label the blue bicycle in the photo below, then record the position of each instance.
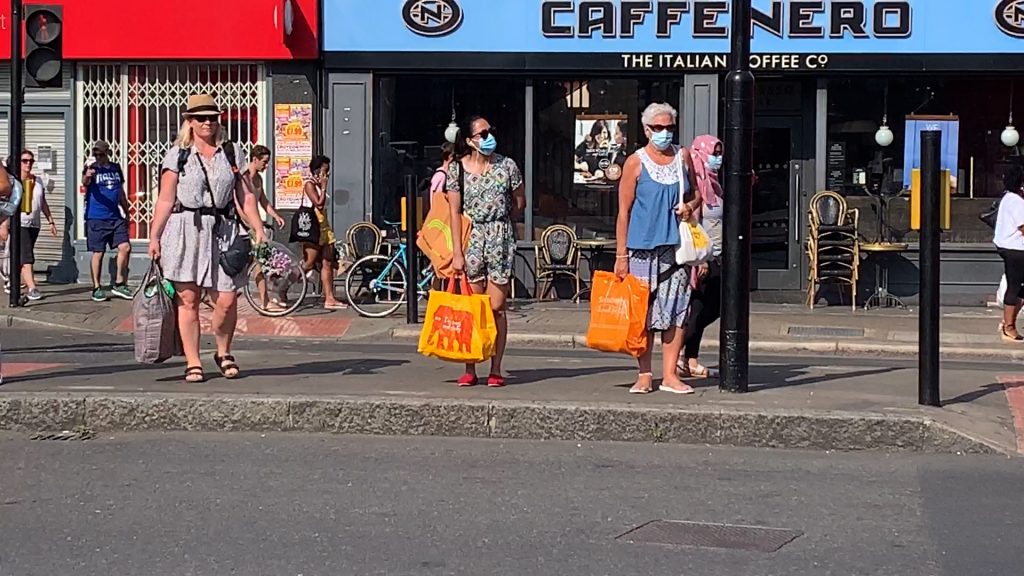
(375, 284)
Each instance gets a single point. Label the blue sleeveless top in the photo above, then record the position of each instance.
(653, 222)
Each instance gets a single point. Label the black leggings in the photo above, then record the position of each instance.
(1013, 267)
(705, 308)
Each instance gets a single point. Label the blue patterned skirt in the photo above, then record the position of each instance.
(669, 284)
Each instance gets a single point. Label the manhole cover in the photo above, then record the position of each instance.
(825, 331)
(704, 535)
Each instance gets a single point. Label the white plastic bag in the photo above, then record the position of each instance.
(694, 242)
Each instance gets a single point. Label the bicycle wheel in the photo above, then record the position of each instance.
(283, 294)
(375, 286)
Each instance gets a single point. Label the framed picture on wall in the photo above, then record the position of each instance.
(600, 149)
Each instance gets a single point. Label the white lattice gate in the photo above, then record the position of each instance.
(137, 109)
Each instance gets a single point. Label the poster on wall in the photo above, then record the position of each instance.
(949, 149)
(600, 152)
(293, 149)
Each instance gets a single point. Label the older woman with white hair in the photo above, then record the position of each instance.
(647, 233)
(197, 218)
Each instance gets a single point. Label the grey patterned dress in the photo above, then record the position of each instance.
(190, 253)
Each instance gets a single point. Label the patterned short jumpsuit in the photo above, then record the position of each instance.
(487, 202)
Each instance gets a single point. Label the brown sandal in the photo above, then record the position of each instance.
(191, 372)
(225, 363)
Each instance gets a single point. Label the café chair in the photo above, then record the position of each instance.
(556, 255)
(832, 245)
(363, 239)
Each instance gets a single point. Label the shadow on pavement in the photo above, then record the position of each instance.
(972, 396)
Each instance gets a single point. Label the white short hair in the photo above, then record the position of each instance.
(657, 109)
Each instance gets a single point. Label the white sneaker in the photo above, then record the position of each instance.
(34, 294)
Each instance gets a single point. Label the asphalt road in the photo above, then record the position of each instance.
(177, 504)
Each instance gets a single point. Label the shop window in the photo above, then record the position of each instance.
(411, 114)
(137, 109)
(583, 132)
(861, 169)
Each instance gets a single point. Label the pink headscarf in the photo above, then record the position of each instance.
(707, 181)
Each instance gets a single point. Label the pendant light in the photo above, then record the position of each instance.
(1010, 137)
(451, 133)
(884, 135)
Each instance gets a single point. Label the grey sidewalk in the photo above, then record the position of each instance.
(62, 381)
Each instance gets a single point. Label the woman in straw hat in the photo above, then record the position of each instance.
(192, 226)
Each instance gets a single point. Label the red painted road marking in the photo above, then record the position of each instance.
(1014, 387)
(13, 369)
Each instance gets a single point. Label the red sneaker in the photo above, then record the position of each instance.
(495, 381)
(468, 380)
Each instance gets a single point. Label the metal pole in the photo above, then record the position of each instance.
(412, 269)
(928, 319)
(14, 134)
(734, 346)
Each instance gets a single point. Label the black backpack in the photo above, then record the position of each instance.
(228, 147)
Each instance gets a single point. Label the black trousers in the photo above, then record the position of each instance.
(1013, 267)
(705, 308)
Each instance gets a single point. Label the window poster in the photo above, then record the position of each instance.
(293, 149)
(600, 152)
(949, 148)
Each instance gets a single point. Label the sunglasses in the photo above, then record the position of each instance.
(204, 119)
(659, 127)
(27, 161)
(483, 134)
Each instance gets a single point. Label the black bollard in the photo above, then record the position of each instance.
(15, 135)
(928, 318)
(412, 268)
(734, 338)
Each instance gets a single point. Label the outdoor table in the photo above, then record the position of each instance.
(591, 249)
(875, 251)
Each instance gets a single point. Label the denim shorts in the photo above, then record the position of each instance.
(99, 234)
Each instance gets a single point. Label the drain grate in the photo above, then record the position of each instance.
(76, 435)
(704, 535)
(825, 331)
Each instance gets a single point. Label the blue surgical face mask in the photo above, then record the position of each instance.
(662, 139)
(487, 145)
(714, 163)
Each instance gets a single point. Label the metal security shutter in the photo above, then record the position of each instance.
(3, 136)
(49, 130)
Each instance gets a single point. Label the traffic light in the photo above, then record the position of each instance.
(43, 54)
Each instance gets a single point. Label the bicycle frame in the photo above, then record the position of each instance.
(427, 274)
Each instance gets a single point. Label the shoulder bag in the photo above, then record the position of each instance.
(235, 259)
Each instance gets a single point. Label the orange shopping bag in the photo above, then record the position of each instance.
(458, 327)
(435, 238)
(618, 314)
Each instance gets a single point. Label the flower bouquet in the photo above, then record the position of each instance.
(278, 264)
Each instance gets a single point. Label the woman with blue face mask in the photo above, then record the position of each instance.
(487, 188)
(647, 235)
(706, 294)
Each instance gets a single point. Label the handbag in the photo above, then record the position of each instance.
(154, 320)
(458, 327)
(618, 315)
(305, 226)
(694, 243)
(235, 258)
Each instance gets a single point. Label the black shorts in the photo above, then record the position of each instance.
(1013, 267)
(28, 244)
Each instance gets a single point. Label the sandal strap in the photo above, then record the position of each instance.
(193, 370)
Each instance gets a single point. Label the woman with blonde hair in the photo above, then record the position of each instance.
(197, 219)
(647, 236)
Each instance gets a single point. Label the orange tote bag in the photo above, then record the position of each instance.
(618, 314)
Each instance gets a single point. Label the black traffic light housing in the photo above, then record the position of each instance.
(43, 40)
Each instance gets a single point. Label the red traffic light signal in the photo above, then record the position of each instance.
(43, 58)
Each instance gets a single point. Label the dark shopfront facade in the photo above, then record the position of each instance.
(553, 76)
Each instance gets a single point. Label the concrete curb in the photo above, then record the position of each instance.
(846, 431)
(13, 321)
(880, 349)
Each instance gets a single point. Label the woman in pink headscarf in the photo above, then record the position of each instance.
(706, 295)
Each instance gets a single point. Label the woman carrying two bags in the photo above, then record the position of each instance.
(647, 232)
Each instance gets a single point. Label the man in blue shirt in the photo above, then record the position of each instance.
(106, 223)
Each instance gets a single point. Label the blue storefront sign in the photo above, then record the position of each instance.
(669, 29)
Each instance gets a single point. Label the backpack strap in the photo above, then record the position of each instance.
(229, 152)
(183, 154)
